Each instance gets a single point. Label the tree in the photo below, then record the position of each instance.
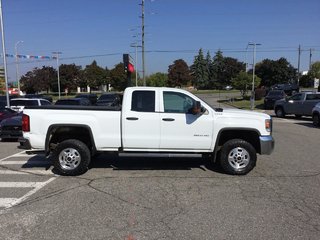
(224, 69)
(157, 79)
(315, 70)
(200, 70)
(243, 82)
(70, 76)
(94, 75)
(118, 78)
(38, 80)
(272, 72)
(179, 74)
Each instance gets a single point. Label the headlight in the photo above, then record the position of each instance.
(268, 125)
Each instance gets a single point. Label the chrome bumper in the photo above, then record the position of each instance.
(266, 144)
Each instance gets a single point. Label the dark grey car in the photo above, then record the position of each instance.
(300, 104)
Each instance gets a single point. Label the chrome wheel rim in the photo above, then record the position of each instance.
(69, 159)
(238, 158)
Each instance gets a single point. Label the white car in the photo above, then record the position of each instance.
(316, 115)
(18, 104)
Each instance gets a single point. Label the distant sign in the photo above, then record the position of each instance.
(316, 83)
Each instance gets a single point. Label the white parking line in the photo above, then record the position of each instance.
(28, 162)
(14, 201)
(6, 201)
(20, 184)
(11, 172)
(2, 159)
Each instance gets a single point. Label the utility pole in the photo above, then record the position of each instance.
(135, 45)
(57, 57)
(310, 56)
(4, 56)
(17, 64)
(253, 73)
(142, 45)
(299, 55)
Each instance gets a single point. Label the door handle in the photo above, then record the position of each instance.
(168, 119)
(132, 118)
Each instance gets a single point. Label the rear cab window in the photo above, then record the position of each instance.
(143, 101)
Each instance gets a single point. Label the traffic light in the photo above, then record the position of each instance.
(128, 66)
(125, 62)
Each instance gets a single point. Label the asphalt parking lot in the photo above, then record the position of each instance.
(130, 198)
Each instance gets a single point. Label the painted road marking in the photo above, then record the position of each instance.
(3, 159)
(8, 203)
(27, 162)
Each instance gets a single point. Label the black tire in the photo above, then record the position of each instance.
(316, 120)
(71, 157)
(237, 157)
(298, 115)
(279, 112)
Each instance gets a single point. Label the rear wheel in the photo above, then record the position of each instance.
(316, 120)
(280, 112)
(71, 157)
(238, 157)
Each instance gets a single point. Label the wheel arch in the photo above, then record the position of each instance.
(60, 132)
(250, 135)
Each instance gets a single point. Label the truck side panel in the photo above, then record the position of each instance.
(104, 125)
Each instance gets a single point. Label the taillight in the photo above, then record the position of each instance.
(25, 123)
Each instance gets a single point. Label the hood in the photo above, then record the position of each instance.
(244, 113)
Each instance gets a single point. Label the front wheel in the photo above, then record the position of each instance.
(280, 112)
(71, 157)
(316, 120)
(238, 157)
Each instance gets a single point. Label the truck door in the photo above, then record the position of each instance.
(180, 129)
(140, 121)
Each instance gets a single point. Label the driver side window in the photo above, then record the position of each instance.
(296, 97)
(175, 102)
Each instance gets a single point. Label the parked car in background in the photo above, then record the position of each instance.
(272, 97)
(228, 87)
(300, 104)
(110, 99)
(73, 101)
(11, 128)
(6, 113)
(46, 97)
(288, 88)
(18, 104)
(316, 115)
(90, 96)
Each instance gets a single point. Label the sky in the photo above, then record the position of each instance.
(103, 30)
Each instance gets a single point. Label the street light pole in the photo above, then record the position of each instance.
(17, 64)
(57, 57)
(4, 56)
(253, 73)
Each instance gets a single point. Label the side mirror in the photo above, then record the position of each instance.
(196, 108)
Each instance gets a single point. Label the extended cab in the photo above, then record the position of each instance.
(150, 120)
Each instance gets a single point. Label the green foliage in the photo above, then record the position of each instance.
(306, 81)
(272, 72)
(118, 77)
(39, 80)
(315, 70)
(70, 77)
(157, 79)
(95, 76)
(243, 82)
(179, 74)
(200, 70)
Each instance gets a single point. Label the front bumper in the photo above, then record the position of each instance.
(266, 145)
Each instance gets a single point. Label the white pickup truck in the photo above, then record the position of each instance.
(165, 121)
